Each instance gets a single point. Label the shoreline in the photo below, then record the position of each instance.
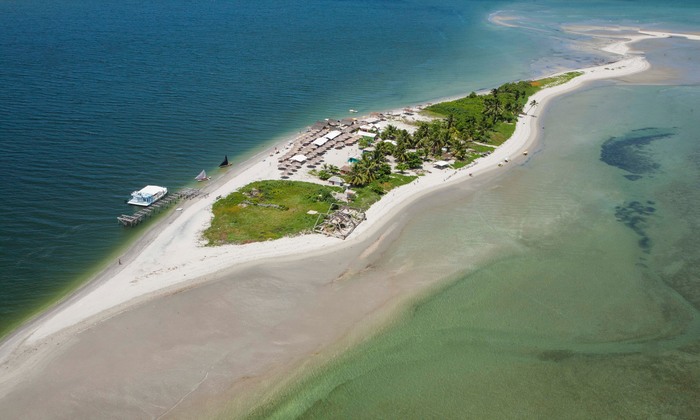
(172, 247)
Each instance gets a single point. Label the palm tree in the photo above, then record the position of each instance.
(389, 132)
(459, 148)
(330, 168)
(357, 176)
(533, 103)
(367, 169)
(421, 133)
(404, 139)
(384, 148)
(400, 153)
(450, 121)
(491, 108)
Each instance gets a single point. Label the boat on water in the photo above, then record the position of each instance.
(225, 162)
(202, 176)
(147, 195)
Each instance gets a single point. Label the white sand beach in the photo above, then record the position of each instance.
(172, 257)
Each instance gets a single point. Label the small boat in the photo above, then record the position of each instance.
(525, 153)
(147, 195)
(225, 162)
(202, 176)
(353, 111)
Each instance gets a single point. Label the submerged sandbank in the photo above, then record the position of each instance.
(172, 259)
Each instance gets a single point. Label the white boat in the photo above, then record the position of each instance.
(147, 195)
(202, 176)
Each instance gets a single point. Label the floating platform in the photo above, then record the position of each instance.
(163, 203)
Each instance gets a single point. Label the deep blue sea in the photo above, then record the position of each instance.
(99, 98)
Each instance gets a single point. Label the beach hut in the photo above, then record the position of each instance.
(298, 158)
(347, 122)
(319, 125)
(336, 180)
(367, 134)
(441, 164)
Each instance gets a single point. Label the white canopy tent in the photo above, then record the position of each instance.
(320, 141)
(330, 136)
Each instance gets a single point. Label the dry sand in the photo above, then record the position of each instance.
(280, 301)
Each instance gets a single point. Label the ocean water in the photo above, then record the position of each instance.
(98, 99)
(573, 284)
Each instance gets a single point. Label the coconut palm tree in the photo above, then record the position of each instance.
(421, 133)
(458, 148)
(533, 103)
(389, 132)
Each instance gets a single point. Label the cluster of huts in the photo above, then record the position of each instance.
(310, 147)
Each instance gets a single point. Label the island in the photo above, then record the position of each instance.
(358, 176)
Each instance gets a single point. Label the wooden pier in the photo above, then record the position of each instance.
(163, 203)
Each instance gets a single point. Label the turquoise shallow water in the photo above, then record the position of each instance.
(588, 305)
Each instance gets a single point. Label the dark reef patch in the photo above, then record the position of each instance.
(635, 215)
(629, 151)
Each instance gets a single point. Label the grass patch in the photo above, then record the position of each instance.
(469, 106)
(496, 114)
(473, 105)
(480, 148)
(501, 132)
(555, 80)
(265, 210)
(371, 193)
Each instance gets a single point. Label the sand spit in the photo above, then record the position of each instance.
(171, 258)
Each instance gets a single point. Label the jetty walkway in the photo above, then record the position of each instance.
(163, 203)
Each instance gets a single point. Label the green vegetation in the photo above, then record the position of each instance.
(556, 80)
(273, 209)
(266, 210)
(325, 172)
(488, 118)
(371, 193)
